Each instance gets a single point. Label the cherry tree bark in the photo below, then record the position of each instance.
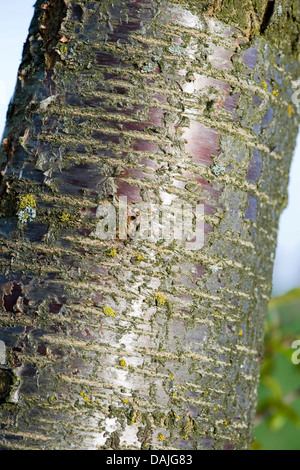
(136, 344)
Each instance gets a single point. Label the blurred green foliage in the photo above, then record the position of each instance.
(278, 414)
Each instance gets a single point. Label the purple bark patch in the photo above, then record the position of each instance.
(254, 168)
(252, 208)
(250, 57)
(10, 300)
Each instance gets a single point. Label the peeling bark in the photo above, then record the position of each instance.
(130, 344)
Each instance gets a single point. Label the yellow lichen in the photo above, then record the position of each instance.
(85, 397)
(112, 253)
(108, 311)
(160, 437)
(63, 48)
(65, 217)
(27, 201)
(160, 299)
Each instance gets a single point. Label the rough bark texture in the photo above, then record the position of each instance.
(153, 100)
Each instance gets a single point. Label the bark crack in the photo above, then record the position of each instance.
(53, 16)
(269, 11)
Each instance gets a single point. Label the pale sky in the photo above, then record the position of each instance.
(15, 17)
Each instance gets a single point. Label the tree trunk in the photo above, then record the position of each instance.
(142, 344)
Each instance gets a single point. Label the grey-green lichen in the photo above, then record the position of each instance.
(176, 49)
(147, 68)
(218, 169)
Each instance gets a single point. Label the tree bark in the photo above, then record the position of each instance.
(133, 344)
